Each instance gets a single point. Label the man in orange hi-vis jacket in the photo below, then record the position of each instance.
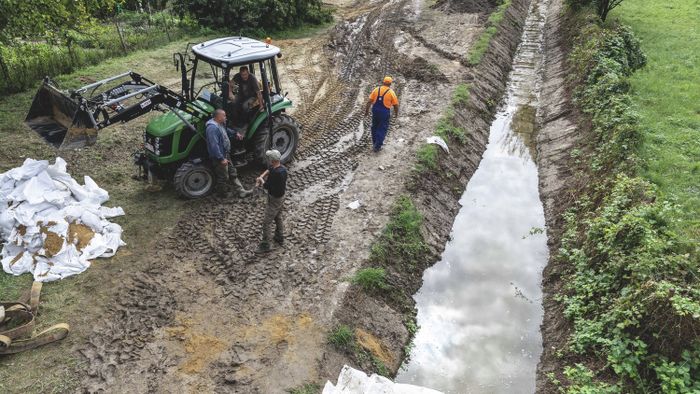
(381, 100)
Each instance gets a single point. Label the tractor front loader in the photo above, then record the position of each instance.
(70, 121)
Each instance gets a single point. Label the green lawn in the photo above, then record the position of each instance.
(667, 95)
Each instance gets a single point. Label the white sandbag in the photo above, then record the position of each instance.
(59, 167)
(91, 219)
(352, 381)
(108, 213)
(438, 141)
(37, 187)
(29, 168)
(40, 206)
(96, 194)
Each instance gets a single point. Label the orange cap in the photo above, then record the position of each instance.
(388, 79)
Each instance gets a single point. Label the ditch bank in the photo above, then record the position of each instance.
(620, 304)
(558, 134)
(382, 318)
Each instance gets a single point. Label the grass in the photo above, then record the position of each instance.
(371, 279)
(380, 367)
(412, 327)
(446, 128)
(401, 239)
(461, 94)
(666, 94)
(308, 388)
(301, 32)
(476, 53)
(342, 337)
(427, 158)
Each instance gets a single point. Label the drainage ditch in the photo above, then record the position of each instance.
(479, 309)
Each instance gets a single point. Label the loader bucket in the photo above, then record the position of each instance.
(59, 120)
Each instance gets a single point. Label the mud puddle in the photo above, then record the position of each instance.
(479, 309)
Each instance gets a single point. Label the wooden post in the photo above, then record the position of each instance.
(121, 36)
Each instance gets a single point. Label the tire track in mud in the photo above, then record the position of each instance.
(217, 237)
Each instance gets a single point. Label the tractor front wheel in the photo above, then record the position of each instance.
(284, 138)
(194, 180)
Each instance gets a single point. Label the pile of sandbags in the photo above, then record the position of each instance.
(51, 225)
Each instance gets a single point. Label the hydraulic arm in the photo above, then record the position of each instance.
(72, 119)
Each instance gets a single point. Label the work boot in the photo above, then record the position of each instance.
(242, 192)
(263, 247)
(279, 239)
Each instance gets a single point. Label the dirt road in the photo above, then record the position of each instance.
(206, 313)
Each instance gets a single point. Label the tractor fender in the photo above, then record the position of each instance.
(276, 107)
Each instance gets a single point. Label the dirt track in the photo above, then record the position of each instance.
(206, 313)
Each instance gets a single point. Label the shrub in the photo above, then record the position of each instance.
(630, 294)
(23, 65)
(244, 15)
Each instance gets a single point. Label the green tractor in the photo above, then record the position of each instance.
(174, 146)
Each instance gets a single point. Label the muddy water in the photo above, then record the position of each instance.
(479, 309)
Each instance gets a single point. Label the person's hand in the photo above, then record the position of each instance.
(224, 162)
(259, 181)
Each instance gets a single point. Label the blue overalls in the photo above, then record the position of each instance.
(380, 120)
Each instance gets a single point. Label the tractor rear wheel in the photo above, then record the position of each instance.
(284, 138)
(194, 180)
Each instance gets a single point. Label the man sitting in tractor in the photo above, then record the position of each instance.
(249, 98)
(219, 147)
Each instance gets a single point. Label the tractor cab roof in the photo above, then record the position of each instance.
(233, 51)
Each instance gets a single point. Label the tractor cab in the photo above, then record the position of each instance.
(213, 66)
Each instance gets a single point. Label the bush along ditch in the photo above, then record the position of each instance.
(631, 293)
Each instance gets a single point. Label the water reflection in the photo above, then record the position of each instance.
(479, 309)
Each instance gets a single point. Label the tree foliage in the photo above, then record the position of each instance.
(53, 20)
(245, 15)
